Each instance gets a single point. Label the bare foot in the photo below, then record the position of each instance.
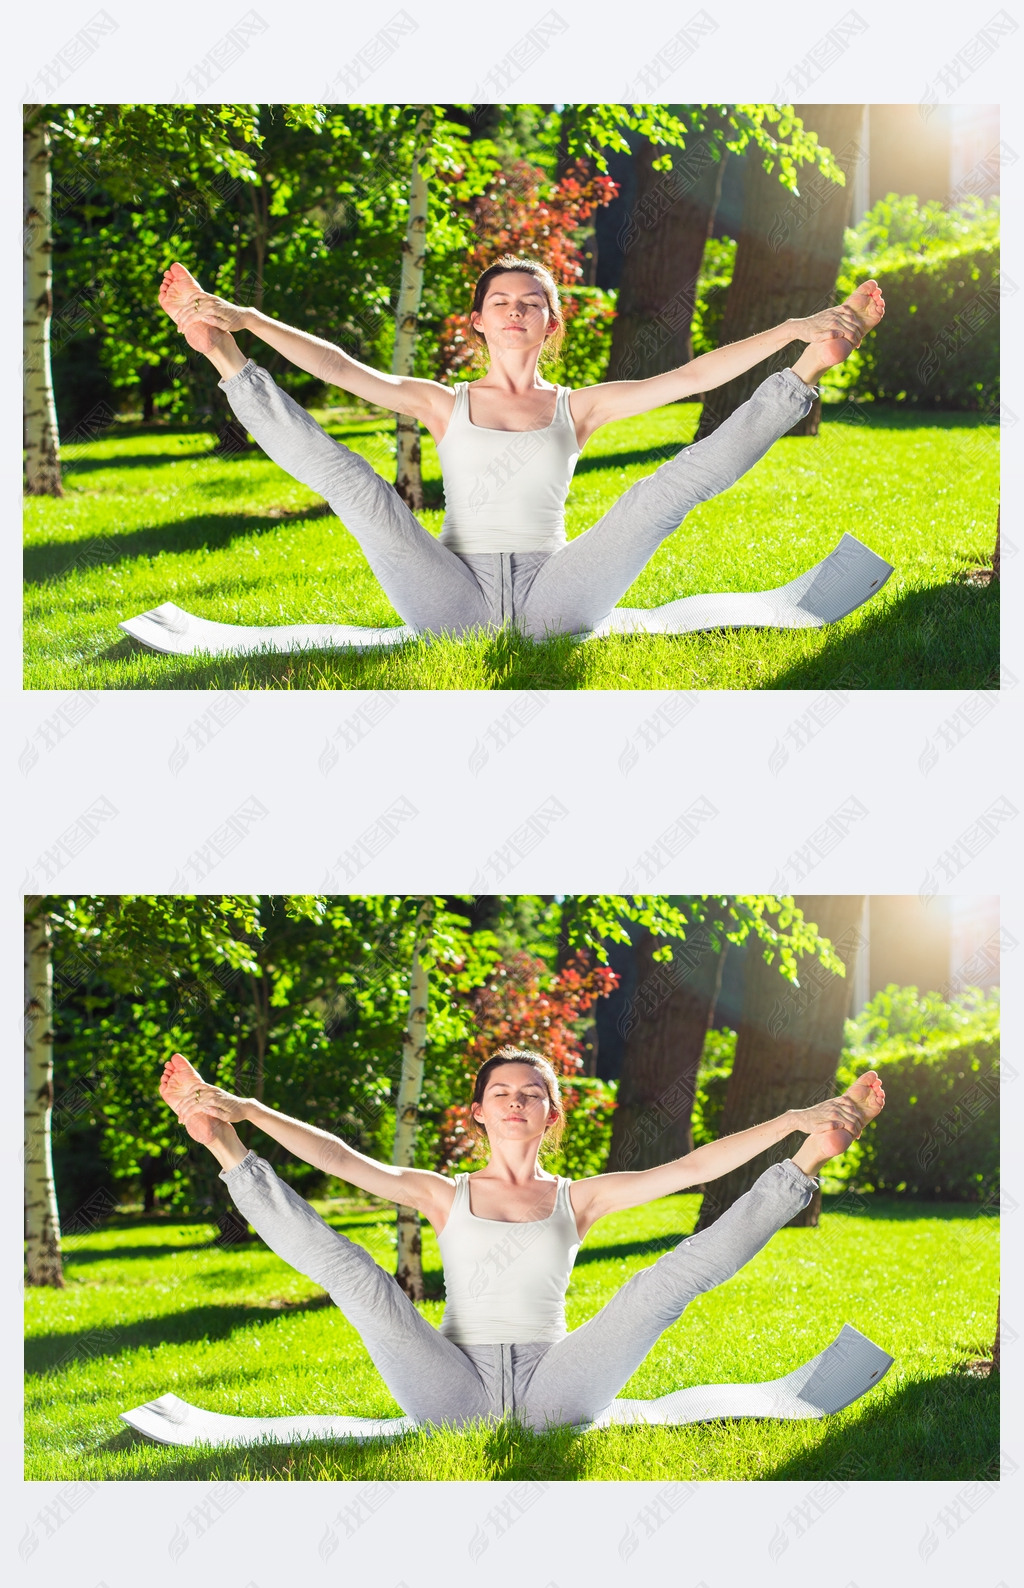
(868, 305)
(177, 1083)
(866, 1092)
(178, 292)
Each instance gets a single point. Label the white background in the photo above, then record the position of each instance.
(586, 795)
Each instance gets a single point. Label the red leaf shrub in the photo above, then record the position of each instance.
(523, 212)
(528, 1006)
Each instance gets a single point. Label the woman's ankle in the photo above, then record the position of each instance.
(227, 1147)
(226, 356)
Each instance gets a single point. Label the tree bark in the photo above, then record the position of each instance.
(787, 1047)
(409, 1269)
(663, 244)
(42, 1221)
(408, 479)
(788, 255)
(42, 442)
(668, 1020)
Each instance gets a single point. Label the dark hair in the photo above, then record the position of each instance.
(536, 1061)
(506, 265)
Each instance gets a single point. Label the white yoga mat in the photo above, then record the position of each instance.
(834, 1378)
(848, 576)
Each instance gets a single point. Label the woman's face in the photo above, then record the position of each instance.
(515, 1105)
(515, 312)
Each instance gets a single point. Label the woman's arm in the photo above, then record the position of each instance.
(416, 1188)
(624, 399)
(423, 399)
(611, 1193)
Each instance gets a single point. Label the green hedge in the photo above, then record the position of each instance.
(939, 342)
(938, 1135)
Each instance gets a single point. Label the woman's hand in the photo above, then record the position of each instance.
(838, 1114)
(829, 323)
(218, 312)
(213, 1100)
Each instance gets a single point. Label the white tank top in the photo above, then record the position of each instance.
(505, 1283)
(505, 490)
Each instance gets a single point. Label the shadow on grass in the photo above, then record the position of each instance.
(62, 1349)
(944, 636)
(73, 1258)
(150, 460)
(203, 532)
(941, 1428)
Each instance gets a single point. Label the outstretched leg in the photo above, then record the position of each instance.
(432, 1380)
(581, 583)
(428, 585)
(581, 1375)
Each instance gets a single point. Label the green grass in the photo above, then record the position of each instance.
(153, 1307)
(151, 515)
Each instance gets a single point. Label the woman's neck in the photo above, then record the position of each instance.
(515, 1163)
(514, 373)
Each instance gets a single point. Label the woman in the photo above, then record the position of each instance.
(508, 444)
(509, 1234)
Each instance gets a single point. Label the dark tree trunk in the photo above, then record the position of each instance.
(787, 1047)
(995, 1343)
(788, 255)
(995, 554)
(663, 242)
(666, 1024)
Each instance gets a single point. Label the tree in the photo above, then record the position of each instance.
(120, 942)
(672, 1007)
(408, 479)
(409, 1269)
(663, 243)
(42, 1220)
(788, 1047)
(126, 145)
(788, 256)
(42, 439)
(676, 198)
(665, 1030)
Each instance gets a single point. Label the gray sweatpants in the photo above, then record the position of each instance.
(568, 591)
(569, 1381)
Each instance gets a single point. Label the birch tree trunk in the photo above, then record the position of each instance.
(42, 444)
(409, 1268)
(788, 255)
(787, 1047)
(42, 1223)
(408, 480)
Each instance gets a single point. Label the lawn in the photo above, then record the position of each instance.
(153, 1306)
(151, 514)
